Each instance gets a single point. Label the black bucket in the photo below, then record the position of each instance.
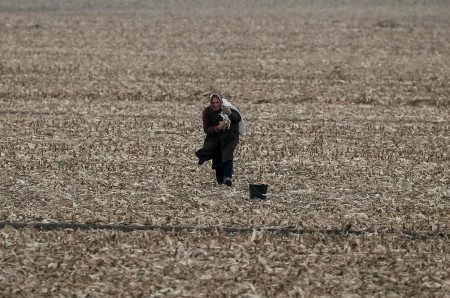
(258, 191)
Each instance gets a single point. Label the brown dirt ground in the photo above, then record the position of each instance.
(347, 112)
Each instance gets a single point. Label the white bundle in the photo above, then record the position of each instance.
(227, 103)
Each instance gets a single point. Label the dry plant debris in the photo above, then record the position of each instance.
(348, 117)
(153, 264)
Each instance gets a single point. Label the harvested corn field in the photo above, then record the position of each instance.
(347, 112)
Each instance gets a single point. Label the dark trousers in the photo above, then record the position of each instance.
(224, 171)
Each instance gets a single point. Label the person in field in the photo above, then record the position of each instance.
(222, 124)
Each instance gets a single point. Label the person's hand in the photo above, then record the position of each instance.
(223, 124)
(226, 111)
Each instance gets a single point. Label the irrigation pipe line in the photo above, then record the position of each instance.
(229, 230)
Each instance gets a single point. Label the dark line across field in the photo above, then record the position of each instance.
(285, 231)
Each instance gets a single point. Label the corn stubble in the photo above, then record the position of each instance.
(348, 123)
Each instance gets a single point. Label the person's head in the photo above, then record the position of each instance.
(215, 101)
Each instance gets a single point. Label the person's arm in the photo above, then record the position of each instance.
(234, 116)
(208, 127)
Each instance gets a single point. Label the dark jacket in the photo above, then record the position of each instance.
(219, 145)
